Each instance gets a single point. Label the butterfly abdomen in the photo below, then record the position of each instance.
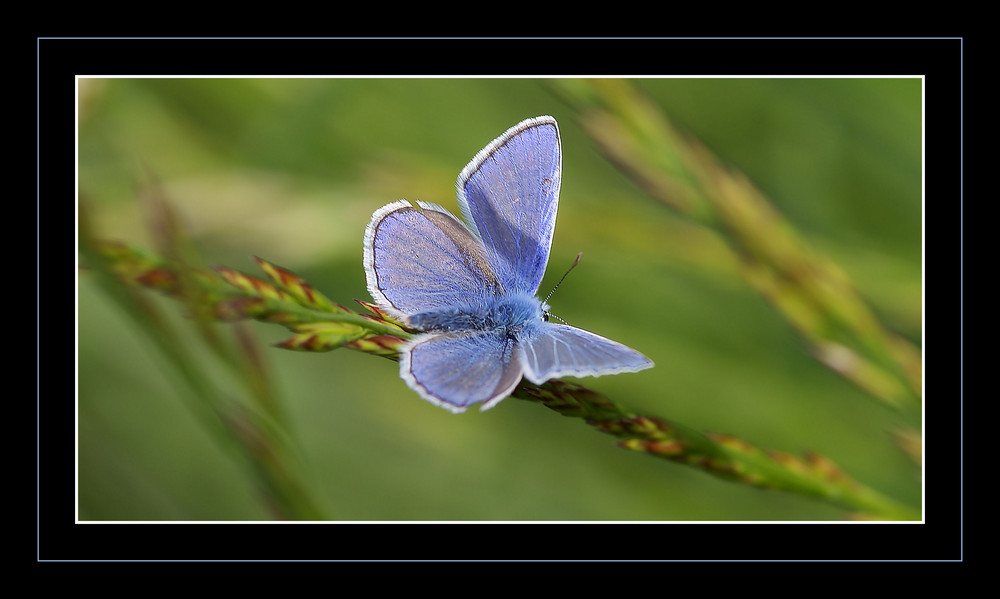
(510, 313)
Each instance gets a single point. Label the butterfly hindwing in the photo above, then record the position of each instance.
(554, 350)
(457, 370)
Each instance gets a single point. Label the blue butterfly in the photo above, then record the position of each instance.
(470, 288)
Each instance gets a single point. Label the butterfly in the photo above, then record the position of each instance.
(470, 288)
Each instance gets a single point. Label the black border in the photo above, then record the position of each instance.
(939, 60)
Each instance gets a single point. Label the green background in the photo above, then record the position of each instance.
(291, 170)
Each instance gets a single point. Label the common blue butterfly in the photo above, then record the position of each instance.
(470, 288)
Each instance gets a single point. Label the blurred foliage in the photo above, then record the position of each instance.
(321, 326)
(292, 169)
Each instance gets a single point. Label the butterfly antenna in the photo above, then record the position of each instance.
(571, 267)
(549, 315)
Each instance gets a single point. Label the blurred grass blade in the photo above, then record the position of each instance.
(910, 442)
(250, 432)
(812, 293)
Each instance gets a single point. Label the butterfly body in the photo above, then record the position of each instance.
(470, 288)
(509, 314)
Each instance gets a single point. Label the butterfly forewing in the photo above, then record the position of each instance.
(421, 259)
(510, 193)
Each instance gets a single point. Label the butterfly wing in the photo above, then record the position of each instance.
(554, 350)
(457, 370)
(509, 194)
(421, 259)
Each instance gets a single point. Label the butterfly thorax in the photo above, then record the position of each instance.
(508, 313)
